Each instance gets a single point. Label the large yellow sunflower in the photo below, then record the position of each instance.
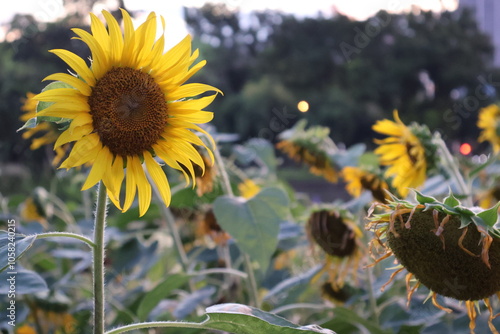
(403, 152)
(130, 106)
(489, 122)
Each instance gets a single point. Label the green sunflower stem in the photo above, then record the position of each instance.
(371, 296)
(98, 261)
(252, 282)
(450, 164)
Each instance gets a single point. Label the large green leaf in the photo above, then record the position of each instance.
(13, 243)
(242, 319)
(254, 223)
(161, 291)
(344, 317)
(21, 282)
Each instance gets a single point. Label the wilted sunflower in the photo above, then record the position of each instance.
(408, 152)
(489, 122)
(312, 147)
(336, 233)
(42, 133)
(204, 175)
(452, 250)
(358, 180)
(129, 107)
(207, 225)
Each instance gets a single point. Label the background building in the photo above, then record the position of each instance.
(488, 17)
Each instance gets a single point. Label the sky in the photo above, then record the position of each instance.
(50, 10)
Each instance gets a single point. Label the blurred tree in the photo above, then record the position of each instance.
(351, 72)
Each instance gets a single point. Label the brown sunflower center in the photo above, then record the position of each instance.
(443, 264)
(332, 234)
(129, 111)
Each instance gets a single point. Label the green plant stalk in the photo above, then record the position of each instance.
(252, 282)
(174, 232)
(371, 296)
(98, 261)
(451, 166)
(66, 235)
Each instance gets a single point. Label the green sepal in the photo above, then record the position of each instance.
(451, 200)
(423, 199)
(30, 124)
(490, 216)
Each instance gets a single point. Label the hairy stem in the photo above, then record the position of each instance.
(98, 261)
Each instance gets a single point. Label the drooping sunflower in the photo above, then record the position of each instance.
(489, 122)
(313, 147)
(336, 233)
(358, 179)
(452, 250)
(131, 106)
(408, 152)
(43, 133)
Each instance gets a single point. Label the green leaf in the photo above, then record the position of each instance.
(21, 282)
(284, 286)
(490, 216)
(264, 150)
(43, 105)
(13, 244)
(161, 291)
(242, 319)
(346, 316)
(451, 200)
(423, 199)
(254, 223)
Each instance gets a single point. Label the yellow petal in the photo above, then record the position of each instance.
(163, 151)
(190, 90)
(143, 186)
(159, 177)
(130, 186)
(52, 95)
(99, 32)
(77, 64)
(114, 179)
(115, 34)
(70, 135)
(101, 166)
(193, 104)
(72, 81)
(85, 150)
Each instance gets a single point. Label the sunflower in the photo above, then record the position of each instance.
(358, 179)
(131, 106)
(48, 131)
(452, 250)
(312, 147)
(408, 151)
(489, 122)
(335, 232)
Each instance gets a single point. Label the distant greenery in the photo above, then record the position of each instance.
(351, 72)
